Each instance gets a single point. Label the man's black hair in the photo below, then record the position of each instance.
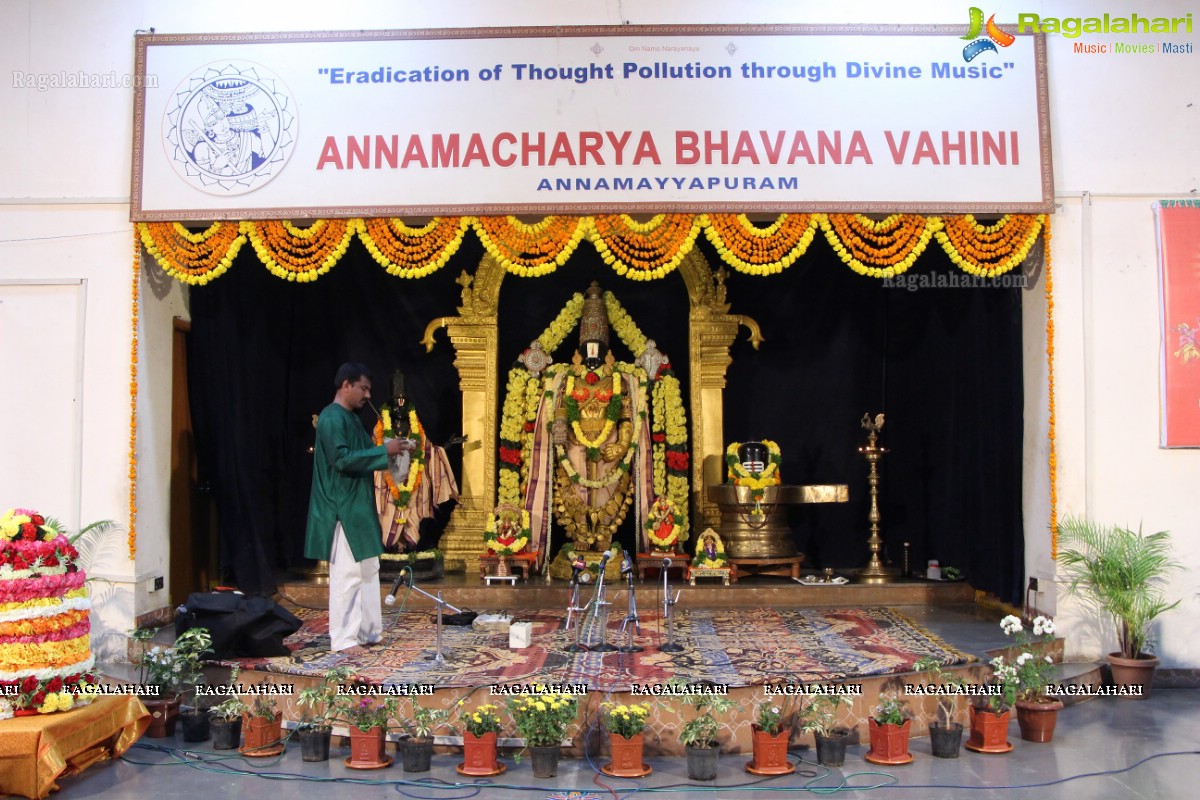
(350, 371)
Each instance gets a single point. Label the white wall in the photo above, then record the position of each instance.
(1124, 131)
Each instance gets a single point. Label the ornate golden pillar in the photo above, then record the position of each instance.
(474, 334)
(711, 333)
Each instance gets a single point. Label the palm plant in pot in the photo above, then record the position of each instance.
(542, 721)
(820, 717)
(945, 734)
(699, 734)
(417, 749)
(315, 728)
(890, 727)
(1120, 573)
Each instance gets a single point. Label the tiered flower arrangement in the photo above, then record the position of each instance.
(45, 653)
(385, 429)
(738, 475)
(641, 251)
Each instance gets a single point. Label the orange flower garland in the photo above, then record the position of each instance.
(531, 250)
(300, 254)
(412, 252)
(644, 250)
(133, 393)
(1052, 457)
(989, 250)
(760, 251)
(880, 249)
(194, 258)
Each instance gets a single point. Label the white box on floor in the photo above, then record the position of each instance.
(520, 634)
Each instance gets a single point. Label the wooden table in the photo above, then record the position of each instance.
(36, 751)
(646, 561)
(726, 574)
(525, 563)
(784, 567)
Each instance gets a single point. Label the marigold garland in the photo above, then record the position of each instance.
(644, 250)
(760, 251)
(193, 258)
(402, 495)
(300, 254)
(515, 527)
(1052, 456)
(989, 250)
(531, 250)
(412, 252)
(563, 324)
(882, 249)
(133, 392)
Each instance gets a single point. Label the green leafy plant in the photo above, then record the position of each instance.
(1120, 573)
(625, 720)
(542, 719)
(947, 704)
(264, 706)
(890, 711)
(819, 714)
(1031, 672)
(701, 730)
(365, 713)
(320, 702)
(482, 720)
(232, 707)
(427, 721)
(173, 669)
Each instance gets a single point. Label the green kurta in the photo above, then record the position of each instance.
(344, 462)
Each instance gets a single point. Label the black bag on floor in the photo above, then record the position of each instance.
(240, 625)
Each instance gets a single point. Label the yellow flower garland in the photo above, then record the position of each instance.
(1052, 456)
(300, 254)
(531, 250)
(402, 495)
(193, 258)
(882, 249)
(412, 252)
(644, 250)
(131, 537)
(989, 250)
(760, 251)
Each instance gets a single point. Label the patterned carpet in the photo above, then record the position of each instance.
(736, 647)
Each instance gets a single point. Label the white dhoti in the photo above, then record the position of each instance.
(355, 612)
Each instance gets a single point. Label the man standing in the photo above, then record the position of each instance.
(343, 527)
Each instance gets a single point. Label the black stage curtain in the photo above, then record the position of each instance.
(944, 365)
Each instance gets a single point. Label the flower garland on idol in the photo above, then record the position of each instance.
(661, 530)
(738, 475)
(385, 429)
(45, 656)
(507, 530)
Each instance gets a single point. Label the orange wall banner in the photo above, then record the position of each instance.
(1179, 257)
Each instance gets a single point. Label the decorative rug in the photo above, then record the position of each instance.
(735, 647)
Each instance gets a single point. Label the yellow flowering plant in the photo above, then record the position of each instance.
(542, 719)
(482, 720)
(625, 720)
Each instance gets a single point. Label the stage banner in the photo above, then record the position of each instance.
(1179, 262)
(590, 120)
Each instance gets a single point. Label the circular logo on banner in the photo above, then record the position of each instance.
(230, 128)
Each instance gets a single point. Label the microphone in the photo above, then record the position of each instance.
(390, 600)
(577, 566)
(626, 563)
(604, 559)
(666, 562)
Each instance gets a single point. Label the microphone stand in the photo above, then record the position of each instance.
(437, 657)
(573, 607)
(631, 615)
(669, 612)
(598, 604)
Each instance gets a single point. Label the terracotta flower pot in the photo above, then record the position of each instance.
(889, 743)
(367, 749)
(1037, 719)
(262, 736)
(770, 753)
(479, 755)
(626, 757)
(989, 732)
(1135, 673)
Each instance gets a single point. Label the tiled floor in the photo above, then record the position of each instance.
(1104, 748)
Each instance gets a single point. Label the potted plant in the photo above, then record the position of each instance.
(262, 726)
(167, 672)
(772, 730)
(367, 718)
(225, 718)
(945, 733)
(819, 717)
(890, 727)
(989, 719)
(481, 729)
(418, 747)
(625, 724)
(699, 734)
(542, 721)
(1120, 573)
(1037, 714)
(190, 649)
(315, 729)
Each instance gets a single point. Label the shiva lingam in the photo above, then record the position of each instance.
(875, 571)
